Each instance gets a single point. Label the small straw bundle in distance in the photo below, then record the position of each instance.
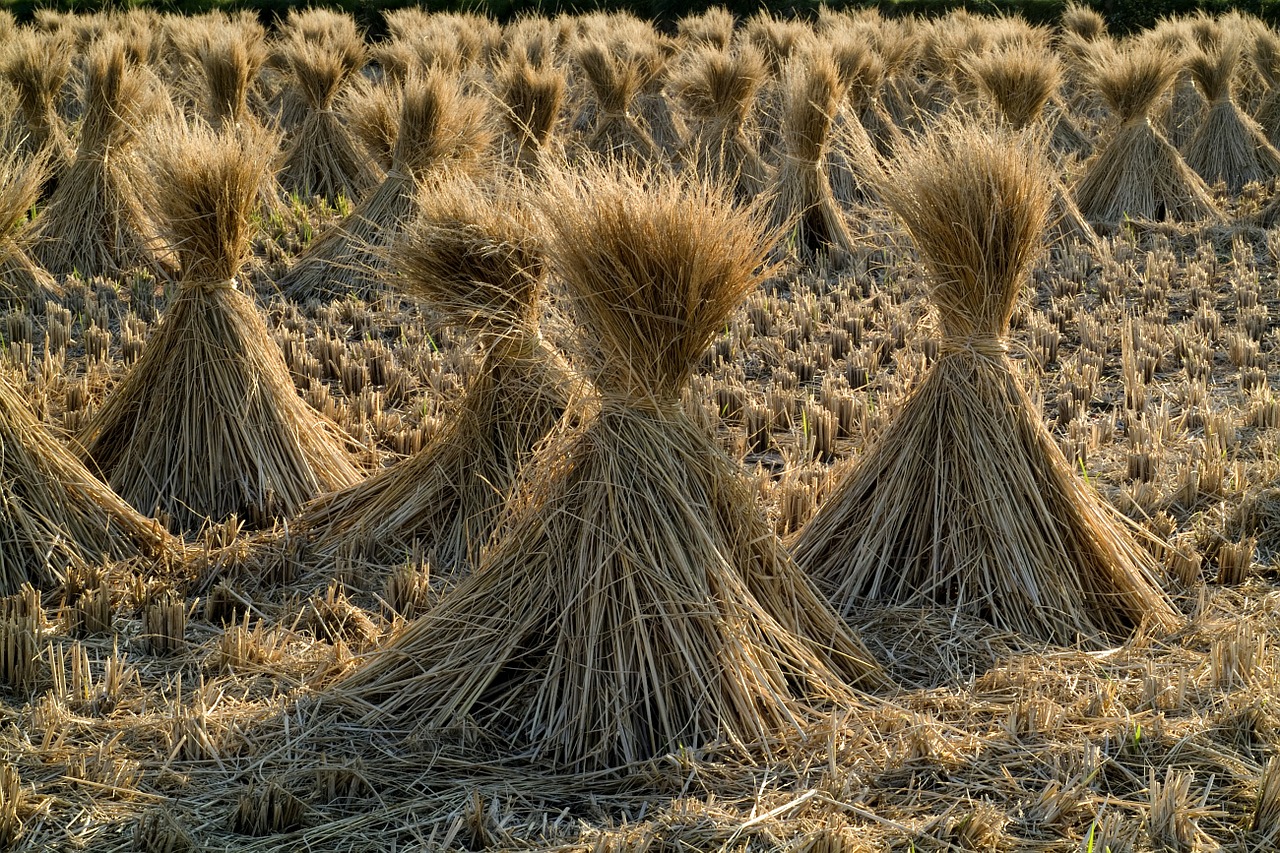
(21, 281)
(474, 257)
(1020, 80)
(616, 76)
(1136, 172)
(862, 70)
(966, 501)
(94, 222)
(717, 89)
(530, 98)
(1265, 58)
(322, 159)
(1084, 22)
(711, 28)
(803, 204)
(231, 60)
(440, 130)
(37, 66)
(207, 422)
(1226, 145)
(633, 600)
(54, 514)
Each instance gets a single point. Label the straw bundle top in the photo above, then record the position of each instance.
(1019, 79)
(1213, 68)
(715, 83)
(438, 123)
(861, 69)
(20, 181)
(320, 68)
(648, 287)
(977, 220)
(116, 98)
(1130, 80)
(476, 258)
(814, 92)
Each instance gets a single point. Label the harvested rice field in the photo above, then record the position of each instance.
(852, 434)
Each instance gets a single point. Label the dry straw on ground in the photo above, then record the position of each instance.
(1226, 144)
(207, 423)
(1136, 172)
(54, 514)
(633, 602)
(965, 501)
(474, 258)
(440, 130)
(95, 223)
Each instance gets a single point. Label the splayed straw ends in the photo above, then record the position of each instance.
(37, 66)
(1226, 145)
(966, 501)
(530, 100)
(21, 281)
(1137, 172)
(473, 257)
(440, 130)
(632, 601)
(54, 514)
(95, 223)
(207, 423)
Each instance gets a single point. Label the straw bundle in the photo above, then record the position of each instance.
(36, 66)
(54, 514)
(966, 501)
(1227, 145)
(1265, 58)
(1137, 172)
(441, 129)
(94, 222)
(472, 256)
(322, 158)
(21, 281)
(710, 28)
(373, 113)
(1020, 80)
(207, 422)
(801, 195)
(231, 59)
(717, 89)
(1084, 22)
(863, 71)
(616, 76)
(633, 601)
(531, 98)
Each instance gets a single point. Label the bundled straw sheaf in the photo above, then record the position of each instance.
(95, 222)
(1227, 145)
(1084, 22)
(37, 66)
(863, 72)
(530, 100)
(617, 75)
(1265, 58)
(207, 423)
(21, 281)
(54, 514)
(322, 158)
(1137, 172)
(231, 60)
(441, 130)
(633, 600)
(965, 501)
(803, 203)
(474, 257)
(712, 28)
(717, 89)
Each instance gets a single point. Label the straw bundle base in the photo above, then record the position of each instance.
(1139, 174)
(968, 504)
(1228, 146)
(323, 160)
(351, 257)
(720, 152)
(54, 514)
(444, 501)
(612, 620)
(22, 282)
(804, 204)
(208, 424)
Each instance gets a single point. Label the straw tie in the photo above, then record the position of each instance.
(223, 284)
(994, 348)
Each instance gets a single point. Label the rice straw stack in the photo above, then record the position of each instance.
(1227, 145)
(322, 159)
(1020, 80)
(711, 28)
(231, 60)
(1265, 58)
(965, 501)
(95, 223)
(21, 281)
(717, 89)
(1084, 22)
(862, 70)
(616, 76)
(440, 130)
(37, 66)
(1136, 172)
(803, 203)
(207, 422)
(530, 98)
(474, 257)
(633, 601)
(54, 514)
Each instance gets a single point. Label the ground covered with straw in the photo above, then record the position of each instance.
(196, 693)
